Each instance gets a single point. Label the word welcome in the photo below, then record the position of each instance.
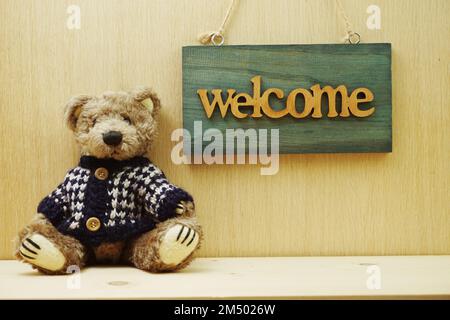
(312, 106)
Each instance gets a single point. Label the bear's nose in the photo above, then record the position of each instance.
(112, 138)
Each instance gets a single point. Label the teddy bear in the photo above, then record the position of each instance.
(116, 206)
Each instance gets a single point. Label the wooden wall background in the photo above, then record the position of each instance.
(354, 204)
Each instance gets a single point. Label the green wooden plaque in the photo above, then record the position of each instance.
(355, 123)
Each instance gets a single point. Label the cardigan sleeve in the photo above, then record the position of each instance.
(55, 206)
(162, 197)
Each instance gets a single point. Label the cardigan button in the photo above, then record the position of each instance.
(101, 173)
(93, 224)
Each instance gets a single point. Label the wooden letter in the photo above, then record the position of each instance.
(354, 100)
(256, 96)
(317, 96)
(266, 106)
(217, 93)
(248, 101)
(308, 104)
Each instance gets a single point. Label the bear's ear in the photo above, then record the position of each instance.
(147, 98)
(73, 110)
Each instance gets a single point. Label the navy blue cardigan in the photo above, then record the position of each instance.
(134, 197)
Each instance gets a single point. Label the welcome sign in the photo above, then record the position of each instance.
(320, 98)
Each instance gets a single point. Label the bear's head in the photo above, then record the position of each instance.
(118, 125)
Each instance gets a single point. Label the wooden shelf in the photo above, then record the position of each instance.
(289, 278)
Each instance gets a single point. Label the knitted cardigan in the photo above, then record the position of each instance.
(131, 200)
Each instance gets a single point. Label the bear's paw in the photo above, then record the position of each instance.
(41, 252)
(177, 244)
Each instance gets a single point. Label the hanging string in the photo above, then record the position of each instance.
(217, 37)
(351, 36)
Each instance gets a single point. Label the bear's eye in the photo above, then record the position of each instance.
(126, 119)
(94, 121)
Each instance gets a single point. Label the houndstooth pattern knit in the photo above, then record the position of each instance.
(135, 196)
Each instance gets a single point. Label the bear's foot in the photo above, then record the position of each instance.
(177, 244)
(168, 247)
(42, 253)
(46, 249)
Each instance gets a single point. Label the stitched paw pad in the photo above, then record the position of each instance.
(41, 252)
(177, 244)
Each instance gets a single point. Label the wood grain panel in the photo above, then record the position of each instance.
(405, 277)
(346, 204)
